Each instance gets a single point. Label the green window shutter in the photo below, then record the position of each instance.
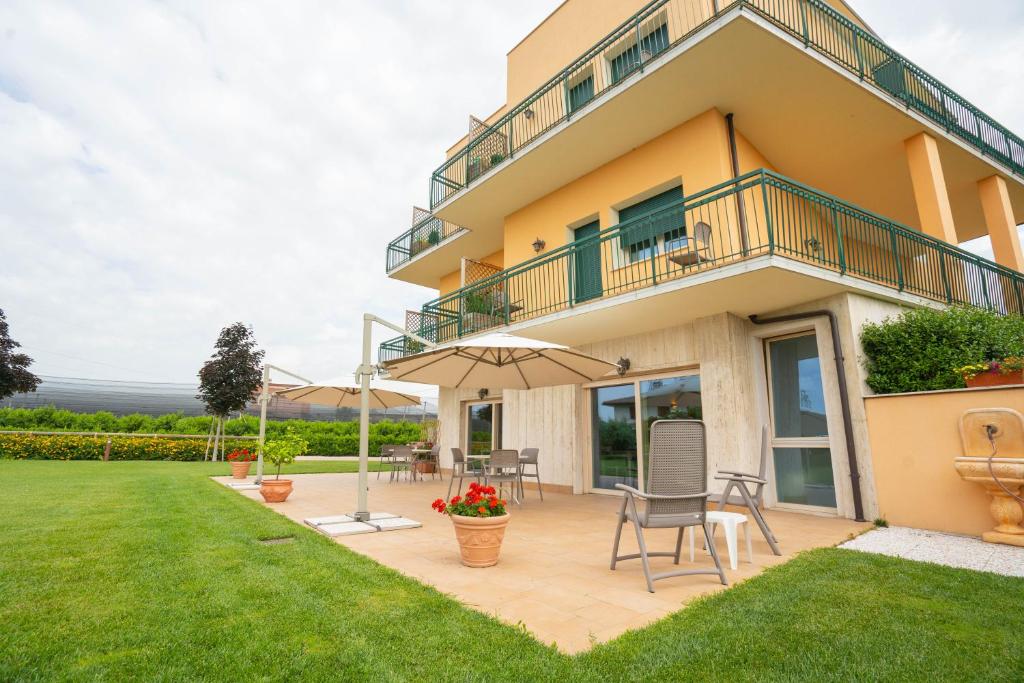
(581, 93)
(663, 222)
(628, 60)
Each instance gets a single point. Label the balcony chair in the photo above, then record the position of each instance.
(502, 469)
(753, 501)
(676, 497)
(460, 470)
(698, 248)
(528, 456)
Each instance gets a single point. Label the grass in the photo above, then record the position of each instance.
(149, 570)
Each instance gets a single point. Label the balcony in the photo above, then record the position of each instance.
(765, 60)
(758, 243)
(428, 231)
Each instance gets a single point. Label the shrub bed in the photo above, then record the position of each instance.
(324, 438)
(75, 447)
(921, 350)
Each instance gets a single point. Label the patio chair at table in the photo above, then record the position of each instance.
(752, 500)
(503, 468)
(435, 457)
(528, 456)
(676, 497)
(401, 461)
(460, 470)
(387, 453)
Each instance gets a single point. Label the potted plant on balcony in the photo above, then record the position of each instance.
(434, 237)
(994, 373)
(478, 312)
(418, 245)
(479, 520)
(281, 451)
(240, 460)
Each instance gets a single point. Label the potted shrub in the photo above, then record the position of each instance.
(278, 452)
(994, 373)
(434, 237)
(240, 460)
(479, 519)
(478, 312)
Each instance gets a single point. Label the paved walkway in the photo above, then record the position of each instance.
(962, 552)
(553, 577)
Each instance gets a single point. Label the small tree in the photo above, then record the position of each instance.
(229, 379)
(284, 449)
(14, 375)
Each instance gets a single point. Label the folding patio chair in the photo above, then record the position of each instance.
(676, 497)
(753, 501)
(528, 456)
(503, 468)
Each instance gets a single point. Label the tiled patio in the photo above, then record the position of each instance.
(553, 576)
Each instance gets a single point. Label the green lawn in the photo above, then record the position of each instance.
(149, 570)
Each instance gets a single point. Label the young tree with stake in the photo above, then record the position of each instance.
(228, 381)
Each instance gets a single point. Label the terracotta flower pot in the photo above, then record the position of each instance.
(480, 538)
(240, 469)
(425, 467)
(276, 490)
(995, 379)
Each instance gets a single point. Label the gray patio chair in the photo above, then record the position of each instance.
(460, 470)
(435, 456)
(502, 469)
(528, 456)
(401, 461)
(676, 497)
(387, 452)
(752, 500)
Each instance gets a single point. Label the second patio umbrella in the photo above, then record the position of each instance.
(341, 393)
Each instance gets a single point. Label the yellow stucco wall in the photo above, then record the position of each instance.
(912, 458)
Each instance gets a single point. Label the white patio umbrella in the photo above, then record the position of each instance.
(344, 393)
(499, 361)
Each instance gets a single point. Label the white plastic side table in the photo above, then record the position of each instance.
(729, 521)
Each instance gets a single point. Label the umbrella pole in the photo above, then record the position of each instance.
(264, 400)
(362, 514)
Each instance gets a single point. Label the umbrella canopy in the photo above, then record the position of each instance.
(499, 361)
(340, 393)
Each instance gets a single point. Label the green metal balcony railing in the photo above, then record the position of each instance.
(427, 233)
(756, 215)
(650, 33)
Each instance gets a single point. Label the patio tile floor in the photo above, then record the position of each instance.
(553, 576)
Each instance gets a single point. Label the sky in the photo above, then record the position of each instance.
(168, 168)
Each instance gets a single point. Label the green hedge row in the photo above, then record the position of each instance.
(74, 447)
(325, 438)
(920, 350)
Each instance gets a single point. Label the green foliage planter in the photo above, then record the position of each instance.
(924, 349)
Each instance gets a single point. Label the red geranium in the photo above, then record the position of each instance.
(241, 455)
(479, 501)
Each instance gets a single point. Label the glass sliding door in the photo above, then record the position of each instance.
(615, 456)
(800, 445)
(617, 431)
(483, 428)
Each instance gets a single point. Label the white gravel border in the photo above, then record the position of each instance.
(962, 552)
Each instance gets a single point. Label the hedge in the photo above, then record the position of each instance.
(920, 350)
(325, 438)
(75, 447)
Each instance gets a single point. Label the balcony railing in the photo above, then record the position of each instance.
(426, 234)
(758, 214)
(648, 35)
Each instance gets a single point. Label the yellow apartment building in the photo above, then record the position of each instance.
(721, 193)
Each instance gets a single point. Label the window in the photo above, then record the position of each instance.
(658, 218)
(629, 60)
(581, 93)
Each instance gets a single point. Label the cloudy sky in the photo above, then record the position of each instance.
(169, 167)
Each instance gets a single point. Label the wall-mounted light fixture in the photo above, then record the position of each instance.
(528, 114)
(814, 245)
(623, 366)
(538, 245)
(482, 394)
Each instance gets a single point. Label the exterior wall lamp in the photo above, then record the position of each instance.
(482, 394)
(623, 366)
(538, 245)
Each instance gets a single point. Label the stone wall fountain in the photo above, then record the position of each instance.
(993, 456)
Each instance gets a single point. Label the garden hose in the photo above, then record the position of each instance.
(991, 431)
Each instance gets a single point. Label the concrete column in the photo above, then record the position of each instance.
(1002, 228)
(933, 208)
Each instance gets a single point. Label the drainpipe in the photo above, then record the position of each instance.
(844, 394)
(741, 209)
